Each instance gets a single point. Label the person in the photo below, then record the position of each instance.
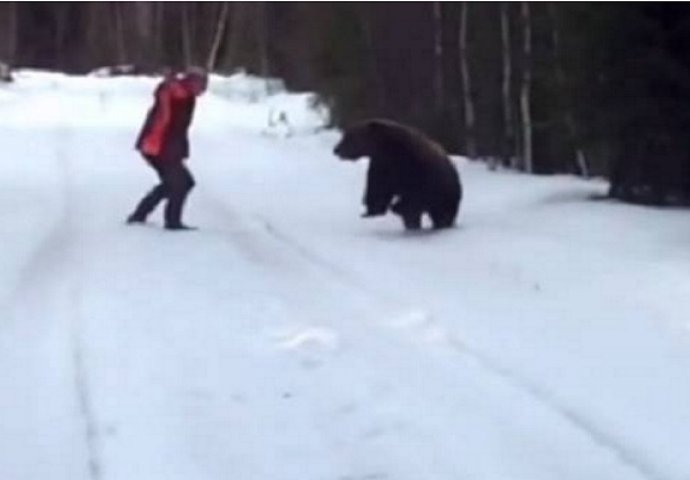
(164, 143)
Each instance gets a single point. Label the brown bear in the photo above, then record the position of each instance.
(409, 173)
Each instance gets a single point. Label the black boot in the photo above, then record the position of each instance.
(179, 227)
(147, 205)
(134, 219)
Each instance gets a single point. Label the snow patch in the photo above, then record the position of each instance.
(312, 337)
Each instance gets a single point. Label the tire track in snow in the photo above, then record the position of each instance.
(246, 242)
(625, 454)
(52, 279)
(254, 239)
(311, 257)
(81, 379)
(86, 404)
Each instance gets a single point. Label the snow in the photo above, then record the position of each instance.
(547, 337)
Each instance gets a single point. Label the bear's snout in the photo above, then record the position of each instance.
(340, 152)
(345, 152)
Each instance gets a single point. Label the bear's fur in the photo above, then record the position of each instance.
(409, 173)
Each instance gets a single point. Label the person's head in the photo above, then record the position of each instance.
(196, 80)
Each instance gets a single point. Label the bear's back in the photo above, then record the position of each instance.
(422, 160)
(412, 143)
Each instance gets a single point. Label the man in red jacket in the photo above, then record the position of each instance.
(164, 143)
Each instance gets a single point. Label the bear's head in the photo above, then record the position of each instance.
(360, 140)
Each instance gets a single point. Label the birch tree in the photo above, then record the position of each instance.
(506, 83)
(438, 56)
(468, 104)
(186, 31)
(119, 32)
(568, 117)
(261, 40)
(8, 31)
(525, 89)
(217, 37)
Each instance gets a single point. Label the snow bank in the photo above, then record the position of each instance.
(48, 100)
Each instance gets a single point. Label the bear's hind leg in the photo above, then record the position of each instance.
(443, 219)
(412, 220)
(444, 223)
(410, 214)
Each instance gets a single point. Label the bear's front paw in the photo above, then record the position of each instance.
(370, 213)
(375, 209)
(398, 208)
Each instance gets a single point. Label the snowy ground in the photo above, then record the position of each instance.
(547, 337)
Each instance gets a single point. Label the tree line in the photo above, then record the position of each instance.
(582, 88)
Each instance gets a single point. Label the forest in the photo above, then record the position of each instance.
(591, 89)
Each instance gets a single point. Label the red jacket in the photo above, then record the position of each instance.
(165, 131)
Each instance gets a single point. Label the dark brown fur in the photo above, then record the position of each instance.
(409, 173)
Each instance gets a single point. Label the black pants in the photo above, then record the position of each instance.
(176, 183)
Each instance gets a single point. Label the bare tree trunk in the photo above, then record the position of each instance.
(186, 35)
(159, 34)
(525, 90)
(568, 117)
(100, 34)
(120, 33)
(261, 40)
(8, 31)
(376, 80)
(234, 34)
(508, 125)
(8, 39)
(61, 25)
(144, 31)
(438, 57)
(468, 104)
(217, 37)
